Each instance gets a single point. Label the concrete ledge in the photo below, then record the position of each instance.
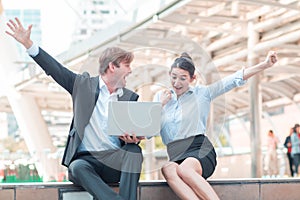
(227, 189)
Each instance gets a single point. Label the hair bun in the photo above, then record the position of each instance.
(187, 57)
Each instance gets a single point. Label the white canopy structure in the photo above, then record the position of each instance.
(222, 36)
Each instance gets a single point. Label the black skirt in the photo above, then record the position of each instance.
(198, 147)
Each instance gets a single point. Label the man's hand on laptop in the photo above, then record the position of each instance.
(131, 138)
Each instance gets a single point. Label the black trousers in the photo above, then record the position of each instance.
(291, 163)
(296, 159)
(94, 170)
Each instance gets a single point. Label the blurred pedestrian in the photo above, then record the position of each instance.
(296, 147)
(271, 157)
(288, 145)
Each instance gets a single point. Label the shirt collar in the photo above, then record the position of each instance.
(191, 90)
(102, 85)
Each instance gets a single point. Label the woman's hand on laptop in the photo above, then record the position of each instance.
(131, 138)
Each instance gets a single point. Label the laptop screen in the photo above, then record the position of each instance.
(140, 118)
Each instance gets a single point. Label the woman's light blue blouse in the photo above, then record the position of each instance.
(187, 115)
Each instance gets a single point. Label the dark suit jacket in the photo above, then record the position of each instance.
(84, 90)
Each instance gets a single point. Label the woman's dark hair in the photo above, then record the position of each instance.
(184, 62)
(295, 128)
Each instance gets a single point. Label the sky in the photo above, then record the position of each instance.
(58, 24)
(57, 28)
(58, 21)
(60, 16)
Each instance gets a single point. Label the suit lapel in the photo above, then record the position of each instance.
(95, 84)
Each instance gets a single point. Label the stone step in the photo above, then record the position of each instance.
(227, 189)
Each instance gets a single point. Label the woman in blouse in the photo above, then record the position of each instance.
(184, 117)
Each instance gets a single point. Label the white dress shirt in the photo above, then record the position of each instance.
(95, 133)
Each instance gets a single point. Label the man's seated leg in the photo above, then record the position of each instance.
(131, 169)
(83, 172)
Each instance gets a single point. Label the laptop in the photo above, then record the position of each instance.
(141, 118)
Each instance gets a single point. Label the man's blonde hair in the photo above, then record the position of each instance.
(113, 55)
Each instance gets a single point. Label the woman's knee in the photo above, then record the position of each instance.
(169, 170)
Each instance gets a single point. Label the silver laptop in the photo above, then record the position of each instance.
(141, 118)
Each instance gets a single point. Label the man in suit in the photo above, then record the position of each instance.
(93, 158)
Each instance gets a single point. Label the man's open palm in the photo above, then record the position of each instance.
(19, 33)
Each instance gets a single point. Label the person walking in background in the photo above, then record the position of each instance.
(288, 145)
(295, 140)
(94, 158)
(184, 117)
(271, 156)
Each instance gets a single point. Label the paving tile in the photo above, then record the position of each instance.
(76, 196)
(36, 194)
(7, 194)
(237, 191)
(157, 193)
(280, 191)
